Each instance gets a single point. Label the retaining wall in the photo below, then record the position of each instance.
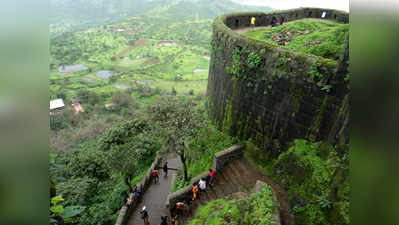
(276, 101)
(143, 185)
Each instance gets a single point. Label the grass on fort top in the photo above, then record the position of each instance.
(313, 36)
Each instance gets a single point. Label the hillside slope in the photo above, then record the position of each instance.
(74, 15)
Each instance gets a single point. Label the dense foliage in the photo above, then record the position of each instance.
(98, 174)
(317, 37)
(200, 150)
(316, 178)
(255, 209)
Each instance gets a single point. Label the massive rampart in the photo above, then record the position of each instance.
(274, 98)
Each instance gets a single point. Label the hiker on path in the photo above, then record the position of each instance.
(175, 220)
(164, 220)
(179, 208)
(138, 194)
(165, 169)
(274, 21)
(194, 189)
(144, 216)
(134, 189)
(282, 19)
(202, 185)
(128, 201)
(253, 19)
(155, 175)
(212, 174)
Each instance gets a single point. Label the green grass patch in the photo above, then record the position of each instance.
(315, 172)
(256, 209)
(317, 37)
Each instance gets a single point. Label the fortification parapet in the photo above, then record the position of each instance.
(277, 100)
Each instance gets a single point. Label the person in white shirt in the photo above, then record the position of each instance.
(202, 184)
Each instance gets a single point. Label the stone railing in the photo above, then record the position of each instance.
(143, 185)
(220, 160)
(223, 158)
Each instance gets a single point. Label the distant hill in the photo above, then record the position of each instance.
(207, 9)
(74, 15)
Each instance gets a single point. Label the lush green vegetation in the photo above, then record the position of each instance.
(200, 150)
(71, 15)
(316, 178)
(96, 176)
(255, 209)
(318, 37)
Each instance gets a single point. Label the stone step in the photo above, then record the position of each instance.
(211, 193)
(242, 180)
(229, 174)
(233, 185)
(228, 187)
(243, 167)
(217, 188)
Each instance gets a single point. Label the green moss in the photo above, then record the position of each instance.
(328, 63)
(314, 71)
(319, 118)
(236, 65)
(254, 60)
(227, 121)
(298, 97)
(255, 209)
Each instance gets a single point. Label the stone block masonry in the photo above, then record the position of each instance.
(276, 99)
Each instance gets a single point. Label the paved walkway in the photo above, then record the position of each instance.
(155, 196)
(238, 176)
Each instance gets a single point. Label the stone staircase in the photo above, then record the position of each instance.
(238, 176)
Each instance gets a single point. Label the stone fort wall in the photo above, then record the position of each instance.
(275, 100)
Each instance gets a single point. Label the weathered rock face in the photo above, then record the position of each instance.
(272, 95)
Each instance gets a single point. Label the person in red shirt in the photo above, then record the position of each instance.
(155, 176)
(212, 174)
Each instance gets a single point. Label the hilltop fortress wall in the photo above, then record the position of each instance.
(262, 92)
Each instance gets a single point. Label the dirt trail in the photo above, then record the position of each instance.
(155, 196)
(136, 45)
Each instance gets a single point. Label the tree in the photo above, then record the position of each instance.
(174, 92)
(131, 146)
(123, 100)
(191, 92)
(179, 119)
(131, 158)
(61, 94)
(58, 122)
(83, 94)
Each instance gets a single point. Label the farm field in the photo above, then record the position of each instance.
(130, 60)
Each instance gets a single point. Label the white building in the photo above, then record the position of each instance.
(57, 104)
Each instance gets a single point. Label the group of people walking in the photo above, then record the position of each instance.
(183, 207)
(155, 172)
(273, 21)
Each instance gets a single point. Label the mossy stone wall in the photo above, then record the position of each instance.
(270, 94)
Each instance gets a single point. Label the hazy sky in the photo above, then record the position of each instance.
(288, 4)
